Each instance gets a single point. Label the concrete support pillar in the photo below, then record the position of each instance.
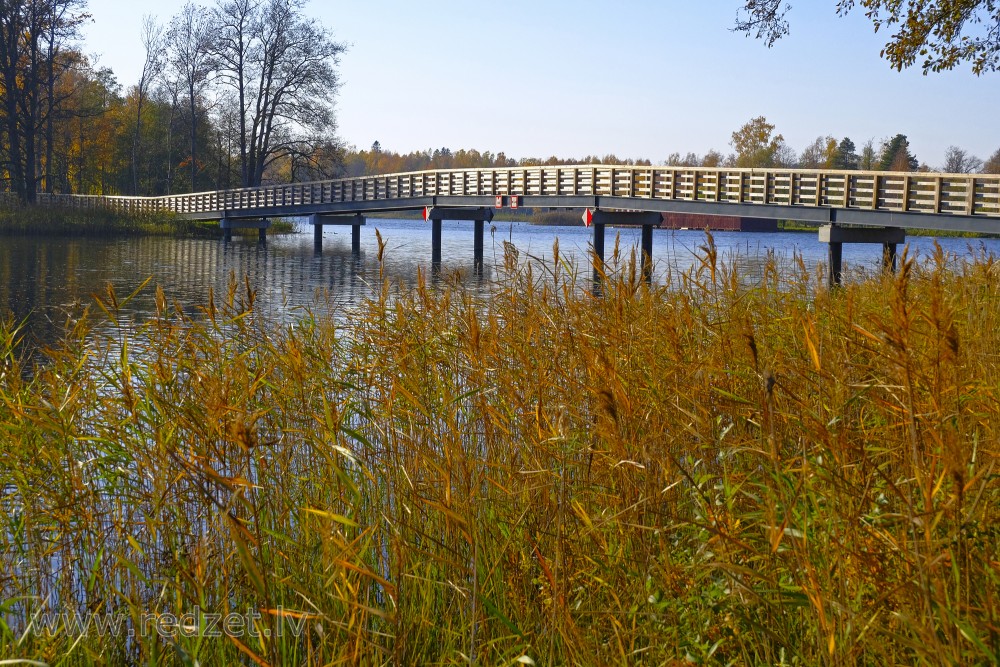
(317, 232)
(436, 244)
(318, 220)
(477, 247)
(837, 236)
(647, 253)
(645, 220)
(478, 215)
(834, 273)
(598, 253)
(889, 257)
(260, 224)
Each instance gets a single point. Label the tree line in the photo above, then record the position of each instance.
(756, 144)
(377, 160)
(230, 94)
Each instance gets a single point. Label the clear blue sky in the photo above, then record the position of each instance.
(637, 78)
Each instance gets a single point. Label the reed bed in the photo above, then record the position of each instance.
(710, 471)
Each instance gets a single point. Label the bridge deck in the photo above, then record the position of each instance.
(945, 202)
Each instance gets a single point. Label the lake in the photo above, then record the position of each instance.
(48, 279)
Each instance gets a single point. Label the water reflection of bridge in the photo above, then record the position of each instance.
(848, 206)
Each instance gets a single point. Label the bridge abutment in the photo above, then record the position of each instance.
(836, 236)
(317, 220)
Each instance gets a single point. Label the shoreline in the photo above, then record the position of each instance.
(47, 221)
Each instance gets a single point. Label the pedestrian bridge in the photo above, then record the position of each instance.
(884, 200)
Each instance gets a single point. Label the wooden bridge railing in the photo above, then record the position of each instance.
(945, 194)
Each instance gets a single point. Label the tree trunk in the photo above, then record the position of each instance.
(32, 83)
(50, 93)
(194, 139)
(135, 143)
(244, 173)
(11, 28)
(14, 144)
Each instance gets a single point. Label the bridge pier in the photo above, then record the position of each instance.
(837, 236)
(646, 220)
(598, 253)
(479, 216)
(477, 247)
(436, 244)
(229, 224)
(889, 257)
(647, 252)
(317, 220)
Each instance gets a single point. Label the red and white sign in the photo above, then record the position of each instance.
(427, 213)
(588, 217)
(499, 203)
(514, 201)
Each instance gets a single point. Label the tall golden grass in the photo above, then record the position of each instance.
(709, 472)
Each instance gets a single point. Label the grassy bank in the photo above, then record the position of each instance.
(796, 226)
(50, 221)
(708, 472)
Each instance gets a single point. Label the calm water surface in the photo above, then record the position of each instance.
(45, 279)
